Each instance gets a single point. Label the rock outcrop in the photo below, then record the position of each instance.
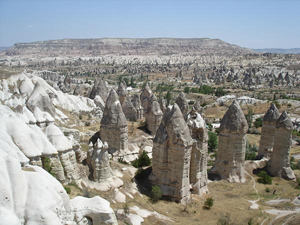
(146, 96)
(279, 163)
(172, 148)
(65, 163)
(136, 102)
(268, 131)
(183, 104)
(122, 92)
(113, 128)
(154, 115)
(100, 88)
(98, 161)
(232, 145)
(31, 195)
(198, 167)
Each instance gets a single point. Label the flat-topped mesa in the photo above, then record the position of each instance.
(113, 128)
(268, 131)
(232, 145)
(154, 115)
(279, 163)
(98, 162)
(172, 148)
(183, 104)
(146, 96)
(122, 92)
(198, 167)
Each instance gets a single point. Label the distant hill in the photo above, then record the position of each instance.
(127, 46)
(279, 50)
(3, 48)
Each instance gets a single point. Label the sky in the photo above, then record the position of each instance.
(248, 23)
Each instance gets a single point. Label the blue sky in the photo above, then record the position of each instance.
(248, 23)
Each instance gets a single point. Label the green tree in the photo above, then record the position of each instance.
(187, 90)
(264, 178)
(156, 193)
(212, 141)
(143, 160)
(209, 202)
(168, 97)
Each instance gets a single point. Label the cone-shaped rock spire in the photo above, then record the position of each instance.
(232, 145)
(172, 147)
(268, 131)
(279, 163)
(113, 127)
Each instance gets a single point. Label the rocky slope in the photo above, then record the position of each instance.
(127, 46)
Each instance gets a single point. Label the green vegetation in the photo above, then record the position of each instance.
(164, 87)
(156, 193)
(143, 160)
(298, 183)
(204, 89)
(277, 104)
(209, 202)
(264, 178)
(126, 209)
(249, 117)
(251, 151)
(225, 220)
(168, 97)
(47, 165)
(187, 90)
(267, 190)
(258, 122)
(220, 92)
(121, 160)
(212, 141)
(68, 190)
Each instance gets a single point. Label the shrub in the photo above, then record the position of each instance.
(80, 117)
(143, 160)
(209, 202)
(156, 193)
(121, 160)
(47, 165)
(126, 209)
(251, 151)
(212, 141)
(298, 183)
(68, 190)
(258, 122)
(225, 220)
(267, 190)
(264, 178)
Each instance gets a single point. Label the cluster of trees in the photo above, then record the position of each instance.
(129, 83)
(205, 89)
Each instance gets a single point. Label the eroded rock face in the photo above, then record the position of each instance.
(40, 99)
(268, 131)
(98, 161)
(172, 148)
(64, 164)
(146, 96)
(198, 167)
(279, 163)
(232, 145)
(122, 92)
(136, 102)
(153, 116)
(100, 88)
(129, 110)
(183, 104)
(32, 196)
(113, 129)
